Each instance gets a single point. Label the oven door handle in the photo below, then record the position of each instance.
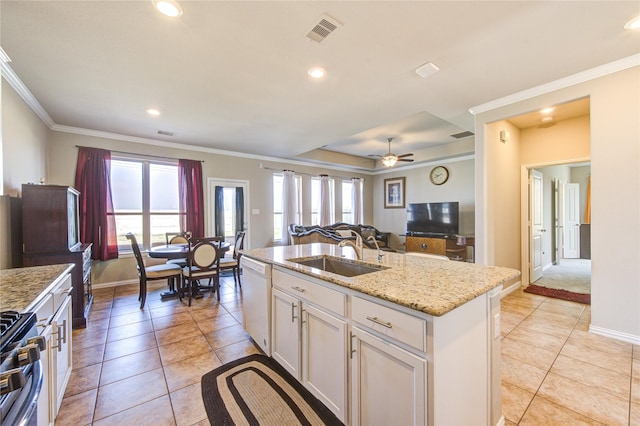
(29, 407)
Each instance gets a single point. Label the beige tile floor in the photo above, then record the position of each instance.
(134, 367)
(554, 372)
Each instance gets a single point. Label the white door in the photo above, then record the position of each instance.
(536, 225)
(229, 188)
(388, 384)
(285, 331)
(571, 226)
(324, 358)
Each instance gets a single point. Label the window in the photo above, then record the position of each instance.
(315, 201)
(347, 202)
(145, 200)
(278, 204)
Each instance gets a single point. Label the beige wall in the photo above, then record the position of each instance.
(24, 148)
(52, 155)
(615, 170)
(419, 189)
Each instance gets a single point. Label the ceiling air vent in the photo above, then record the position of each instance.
(165, 133)
(461, 135)
(325, 26)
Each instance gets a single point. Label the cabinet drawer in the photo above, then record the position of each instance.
(427, 245)
(398, 325)
(44, 312)
(60, 292)
(326, 298)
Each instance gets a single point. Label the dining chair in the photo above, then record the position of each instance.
(150, 273)
(233, 262)
(178, 238)
(203, 261)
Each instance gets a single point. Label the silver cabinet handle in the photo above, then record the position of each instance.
(351, 349)
(64, 332)
(298, 289)
(293, 314)
(380, 322)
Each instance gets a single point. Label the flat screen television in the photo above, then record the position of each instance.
(433, 218)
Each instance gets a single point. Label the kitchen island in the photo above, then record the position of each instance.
(414, 341)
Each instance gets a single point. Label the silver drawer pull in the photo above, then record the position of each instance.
(298, 289)
(377, 321)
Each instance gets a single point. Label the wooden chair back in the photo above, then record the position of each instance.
(138, 255)
(177, 237)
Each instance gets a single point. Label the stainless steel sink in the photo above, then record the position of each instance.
(338, 265)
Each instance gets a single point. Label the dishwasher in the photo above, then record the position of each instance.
(256, 301)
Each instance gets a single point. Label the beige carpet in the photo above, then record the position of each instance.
(573, 275)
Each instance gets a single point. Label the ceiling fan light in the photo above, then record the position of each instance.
(389, 160)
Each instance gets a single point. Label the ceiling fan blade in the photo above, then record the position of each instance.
(408, 160)
(375, 155)
(405, 155)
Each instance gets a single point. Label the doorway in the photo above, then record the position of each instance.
(228, 207)
(559, 227)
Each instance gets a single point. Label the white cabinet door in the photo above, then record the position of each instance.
(324, 358)
(61, 359)
(388, 384)
(45, 403)
(285, 333)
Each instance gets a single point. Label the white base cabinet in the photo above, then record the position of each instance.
(309, 338)
(55, 320)
(373, 362)
(388, 384)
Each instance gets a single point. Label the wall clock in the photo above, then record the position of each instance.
(439, 175)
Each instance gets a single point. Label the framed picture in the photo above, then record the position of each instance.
(394, 193)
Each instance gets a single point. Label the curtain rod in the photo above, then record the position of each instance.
(141, 155)
(306, 174)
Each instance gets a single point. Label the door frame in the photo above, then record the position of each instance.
(524, 210)
(211, 184)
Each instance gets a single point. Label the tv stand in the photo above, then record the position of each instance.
(442, 245)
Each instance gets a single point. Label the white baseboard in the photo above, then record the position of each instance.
(114, 284)
(625, 337)
(510, 289)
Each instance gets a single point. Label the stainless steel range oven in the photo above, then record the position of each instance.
(20, 368)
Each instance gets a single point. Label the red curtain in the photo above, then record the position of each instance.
(191, 197)
(97, 226)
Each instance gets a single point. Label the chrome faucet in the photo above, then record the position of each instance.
(357, 246)
(372, 238)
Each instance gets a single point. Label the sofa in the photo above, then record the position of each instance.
(333, 234)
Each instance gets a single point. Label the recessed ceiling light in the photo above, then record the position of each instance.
(317, 72)
(153, 111)
(633, 24)
(547, 110)
(169, 8)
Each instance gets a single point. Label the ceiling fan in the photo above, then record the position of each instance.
(390, 159)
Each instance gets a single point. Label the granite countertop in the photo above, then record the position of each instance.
(428, 285)
(21, 288)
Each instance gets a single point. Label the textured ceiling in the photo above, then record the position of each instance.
(233, 75)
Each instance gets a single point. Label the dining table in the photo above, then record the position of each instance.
(178, 251)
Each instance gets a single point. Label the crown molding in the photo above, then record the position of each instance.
(187, 147)
(581, 77)
(14, 81)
